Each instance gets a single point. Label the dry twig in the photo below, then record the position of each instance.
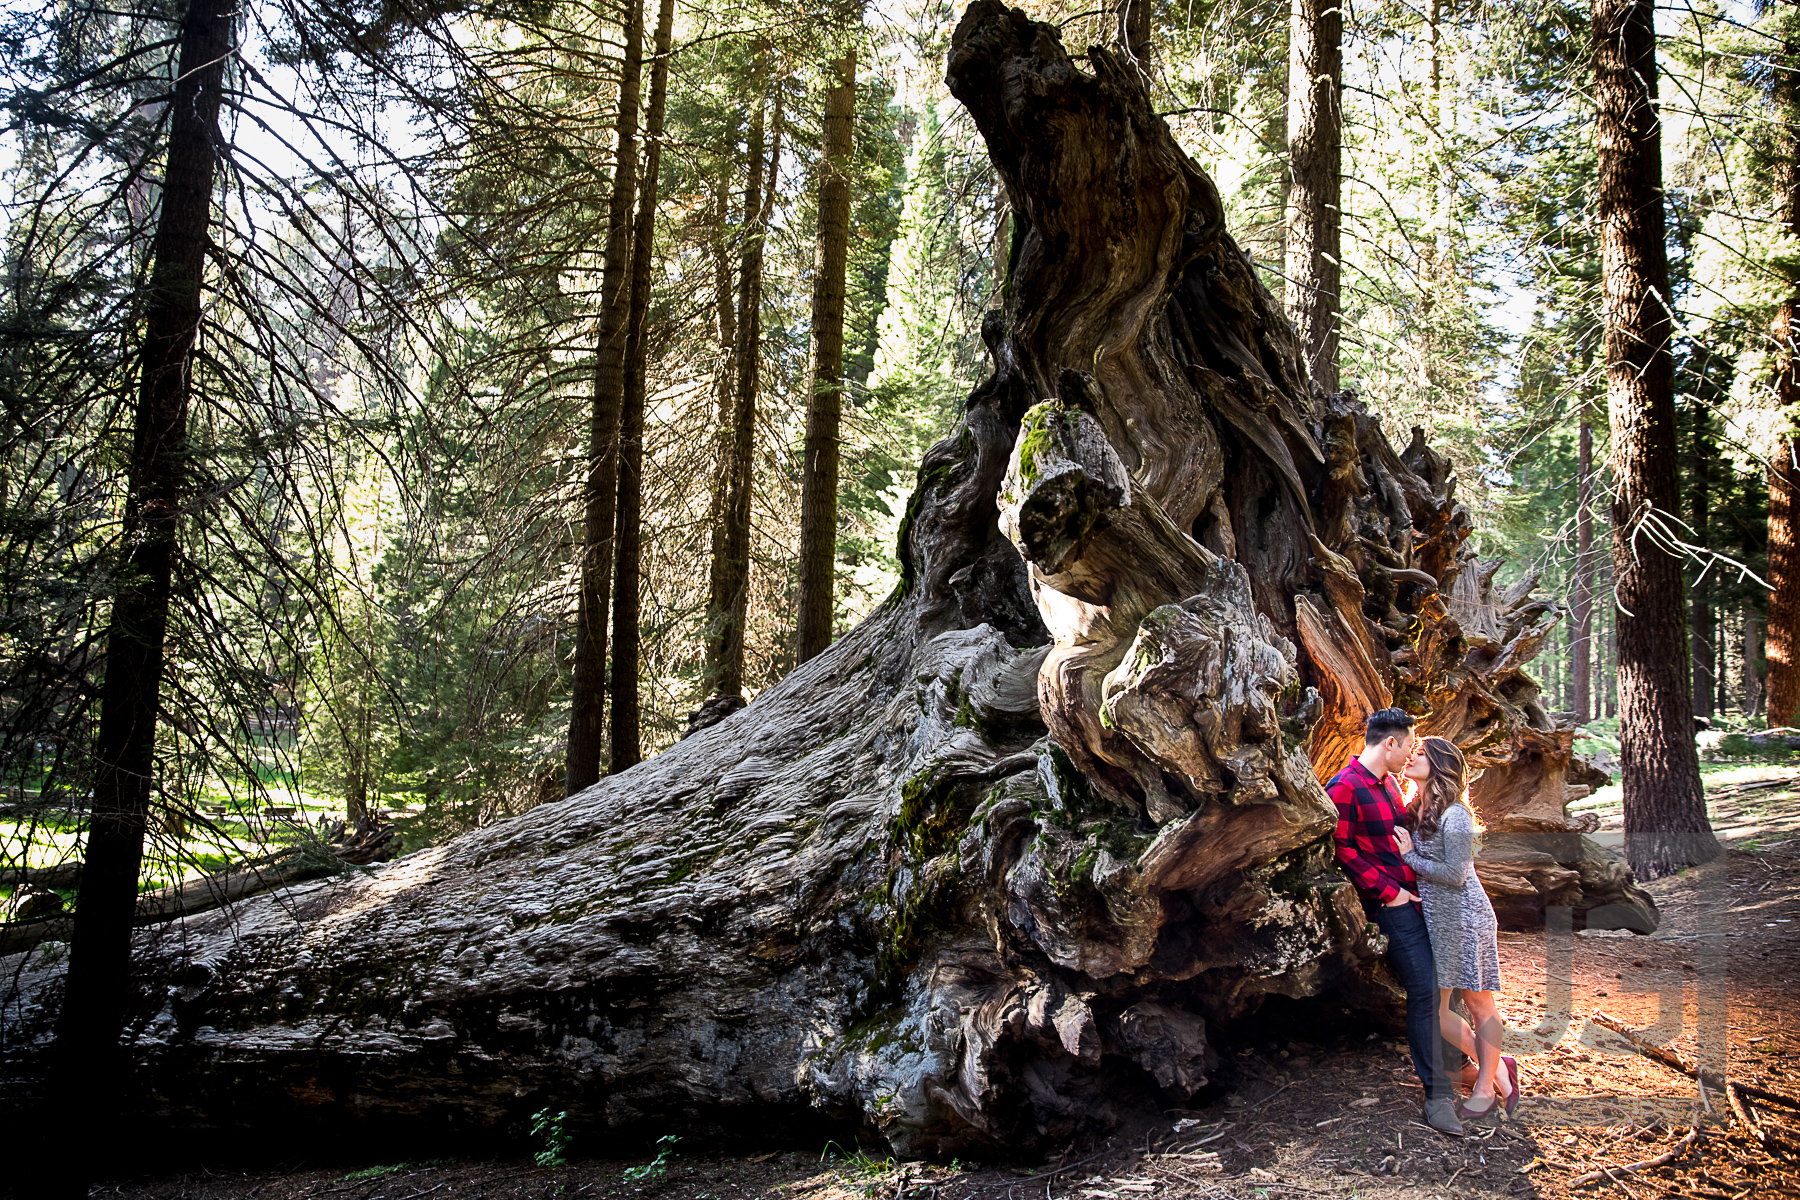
(1741, 1111)
(1668, 1058)
(1661, 1160)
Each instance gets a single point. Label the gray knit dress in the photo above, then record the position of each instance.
(1458, 915)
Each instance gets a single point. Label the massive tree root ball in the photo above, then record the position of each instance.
(1007, 855)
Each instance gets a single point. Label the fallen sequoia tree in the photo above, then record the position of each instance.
(1004, 857)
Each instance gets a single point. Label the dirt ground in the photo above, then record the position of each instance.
(1341, 1118)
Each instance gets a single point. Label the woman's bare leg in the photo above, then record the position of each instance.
(1488, 1031)
(1455, 1030)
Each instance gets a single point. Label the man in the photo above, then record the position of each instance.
(1368, 804)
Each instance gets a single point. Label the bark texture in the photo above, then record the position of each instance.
(1581, 603)
(1665, 809)
(824, 404)
(1753, 685)
(996, 865)
(1783, 683)
(1315, 164)
(1783, 686)
(587, 688)
(1702, 623)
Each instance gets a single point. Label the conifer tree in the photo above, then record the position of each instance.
(1666, 824)
(587, 699)
(626, 747)
(728, 603)
(1314, 254)
(1783, 637)
(824, 402)
(93, 1010)
(917, 346)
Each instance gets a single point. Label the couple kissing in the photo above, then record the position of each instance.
(1411, 856)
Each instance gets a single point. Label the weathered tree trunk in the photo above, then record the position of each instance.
(587, 687)
(824, 403)
(1581, 606)
(626, 748)
(728, 604)
(99, 979)
(995, 866)
(1315, 154)
(1665, 807)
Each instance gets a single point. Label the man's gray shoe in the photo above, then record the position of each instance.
(1440, 1114)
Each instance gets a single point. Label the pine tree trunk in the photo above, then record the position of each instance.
(1581, 614)
(730, 574)
(1315, 151)
(993, 871)
(1565, 670)
(1782, 639)
(626, 749)
(600, 496)
(1612, 653)
(1782, 687)
(824, 403)
(725, 326)
(1782, 647)
(1724, 637)
(728, 606)
(1701, 624)
(1665, 808)
(100, 965)
(1134, 30)
(1753, 685)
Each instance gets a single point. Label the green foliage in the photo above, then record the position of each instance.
(657, 1167)
(551, 1137)
(394, 1169)
(860, 1170)
(925, 346)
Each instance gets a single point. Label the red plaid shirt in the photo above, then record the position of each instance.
(1367, 810)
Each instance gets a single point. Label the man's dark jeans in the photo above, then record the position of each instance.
(1409, 953)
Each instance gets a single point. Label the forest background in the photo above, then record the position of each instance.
(417, 293)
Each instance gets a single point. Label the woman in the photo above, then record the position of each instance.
(1464, 942)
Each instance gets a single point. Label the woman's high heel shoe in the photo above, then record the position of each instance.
(1512, 1077)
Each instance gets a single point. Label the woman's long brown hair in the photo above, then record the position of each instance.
(1445, 787)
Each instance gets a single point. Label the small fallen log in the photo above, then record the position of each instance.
(1756, 741)
(59, 877)
(1669, 1058)
(190, 897)
(1661, 1160)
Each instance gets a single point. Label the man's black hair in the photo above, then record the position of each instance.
(1385, 723)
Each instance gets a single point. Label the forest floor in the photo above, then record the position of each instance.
(1341, 1117)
